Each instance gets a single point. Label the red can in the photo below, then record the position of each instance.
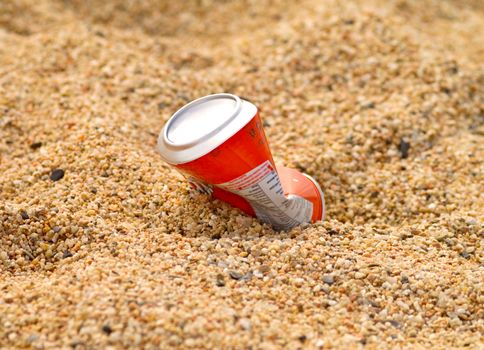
(219, 144)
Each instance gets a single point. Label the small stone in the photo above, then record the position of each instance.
(32, 338)
(24, 215)
(328, 279)
(245, 323)
(235, 275)
(67, 254)
(404, 147)
(107, 329)
(247, 276)
(3, 256)
(258, 274)
(57, 174)
(298, 282)
(36, 145)
(216, 236)
(220, 280)
(75, 343)
(368, 105)
(8, 298)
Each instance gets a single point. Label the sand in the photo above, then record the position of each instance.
(103, 246)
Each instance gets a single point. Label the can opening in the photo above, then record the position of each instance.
(201, 119)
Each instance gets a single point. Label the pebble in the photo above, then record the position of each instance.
(404, 147)
(56, 174)
(328, 279)
(107, 329)
(245, 323)
(3, 256)
(220, 280)
(32, 338)
(36, 145)
(67, 254)
(235, 275)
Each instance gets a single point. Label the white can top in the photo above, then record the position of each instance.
(202, 125)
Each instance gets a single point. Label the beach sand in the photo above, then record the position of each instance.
(104, 246)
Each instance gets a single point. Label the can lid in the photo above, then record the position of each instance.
(202, 125)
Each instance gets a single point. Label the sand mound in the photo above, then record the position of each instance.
(102, 244)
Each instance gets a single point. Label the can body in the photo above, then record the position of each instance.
(238, 167)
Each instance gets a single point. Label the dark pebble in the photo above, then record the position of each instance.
(465, 255)
(57, 174)
(235, 275)
(404, 279)
(395, 323)
(220, 280)
(36, 145)
(404, 147)
(56, 229)
(446, 90)
(24, 215)
(302, 338)
(67, 254)
(161, 105)
(106, 329)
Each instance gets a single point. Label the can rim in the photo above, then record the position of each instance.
(198, 101)
(323, 203)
